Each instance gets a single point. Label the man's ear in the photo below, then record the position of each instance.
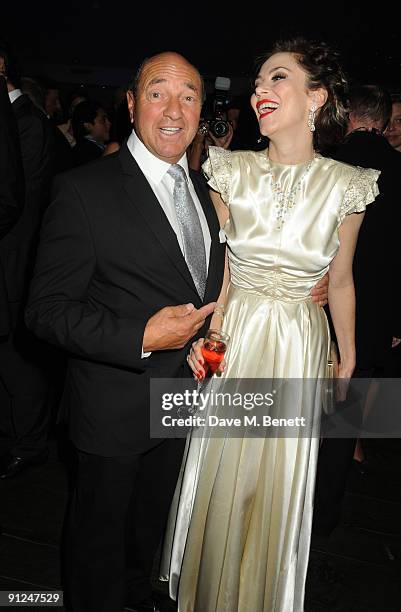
(131, 105)
(2, 64)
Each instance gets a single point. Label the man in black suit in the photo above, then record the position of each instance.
(12, 190)
(113, 288)
(376, 265)
(23, 381)
(63, 155)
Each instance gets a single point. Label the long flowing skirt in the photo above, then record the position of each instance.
(239, 528)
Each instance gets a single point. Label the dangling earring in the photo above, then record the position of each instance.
(311, 118)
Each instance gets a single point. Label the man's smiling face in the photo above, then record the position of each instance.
(167, 106)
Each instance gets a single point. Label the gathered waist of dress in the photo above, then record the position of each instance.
(276, 286)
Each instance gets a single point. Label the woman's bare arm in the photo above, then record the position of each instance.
(342, 293)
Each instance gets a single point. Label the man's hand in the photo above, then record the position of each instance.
(173, 326)
(319, 292)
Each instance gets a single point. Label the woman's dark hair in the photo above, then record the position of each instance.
(84, 112)
(322, 67)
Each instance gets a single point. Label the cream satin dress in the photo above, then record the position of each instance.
(239, 528)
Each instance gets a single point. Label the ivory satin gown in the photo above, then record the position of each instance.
(239, 528)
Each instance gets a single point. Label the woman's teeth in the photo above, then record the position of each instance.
(267, 107)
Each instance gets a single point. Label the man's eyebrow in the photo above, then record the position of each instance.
(191, 86)
(188, 84)
(157, 80)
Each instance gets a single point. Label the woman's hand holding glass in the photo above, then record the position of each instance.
(206, 356)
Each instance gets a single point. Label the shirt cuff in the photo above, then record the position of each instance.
(145, 354)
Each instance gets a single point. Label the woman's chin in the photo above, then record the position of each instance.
(266, 129)
(265, 132)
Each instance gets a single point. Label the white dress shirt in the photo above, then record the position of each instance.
(162, 184)
(14, 94)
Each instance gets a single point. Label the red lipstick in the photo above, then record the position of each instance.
(264, 102)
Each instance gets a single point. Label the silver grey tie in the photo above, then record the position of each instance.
(190, 228)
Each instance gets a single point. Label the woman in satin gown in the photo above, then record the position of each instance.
(239, 528)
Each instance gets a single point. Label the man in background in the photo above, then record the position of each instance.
(117, 287)
(376, 264)
(23, 359)
(393, 130)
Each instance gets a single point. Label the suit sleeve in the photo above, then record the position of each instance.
(60, 309)
(11, 173)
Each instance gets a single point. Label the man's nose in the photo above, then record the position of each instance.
(173, 109)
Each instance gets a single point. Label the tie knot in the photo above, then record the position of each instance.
(177, 172)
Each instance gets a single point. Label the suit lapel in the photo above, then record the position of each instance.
(146, 203)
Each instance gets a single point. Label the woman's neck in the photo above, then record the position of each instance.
(291, 153)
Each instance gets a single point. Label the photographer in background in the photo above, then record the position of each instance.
(217, 124)
(205, 138)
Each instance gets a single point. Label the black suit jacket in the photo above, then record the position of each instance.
(108, 260)
(12, 188)
(63, 152)
(11, 171)
(378, 252)
(85, 151)
(17, 248)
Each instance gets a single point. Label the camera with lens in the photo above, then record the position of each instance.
(214, 120)
(219, 127)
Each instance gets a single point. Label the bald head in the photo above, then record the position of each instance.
(166, 104)
(165, 55)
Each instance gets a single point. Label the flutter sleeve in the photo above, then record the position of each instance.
(218, 171)
(361, 191)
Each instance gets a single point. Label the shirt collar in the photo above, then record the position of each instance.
(14, 94)
(153, 168)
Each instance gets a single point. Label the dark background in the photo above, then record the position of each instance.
(99, 43)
